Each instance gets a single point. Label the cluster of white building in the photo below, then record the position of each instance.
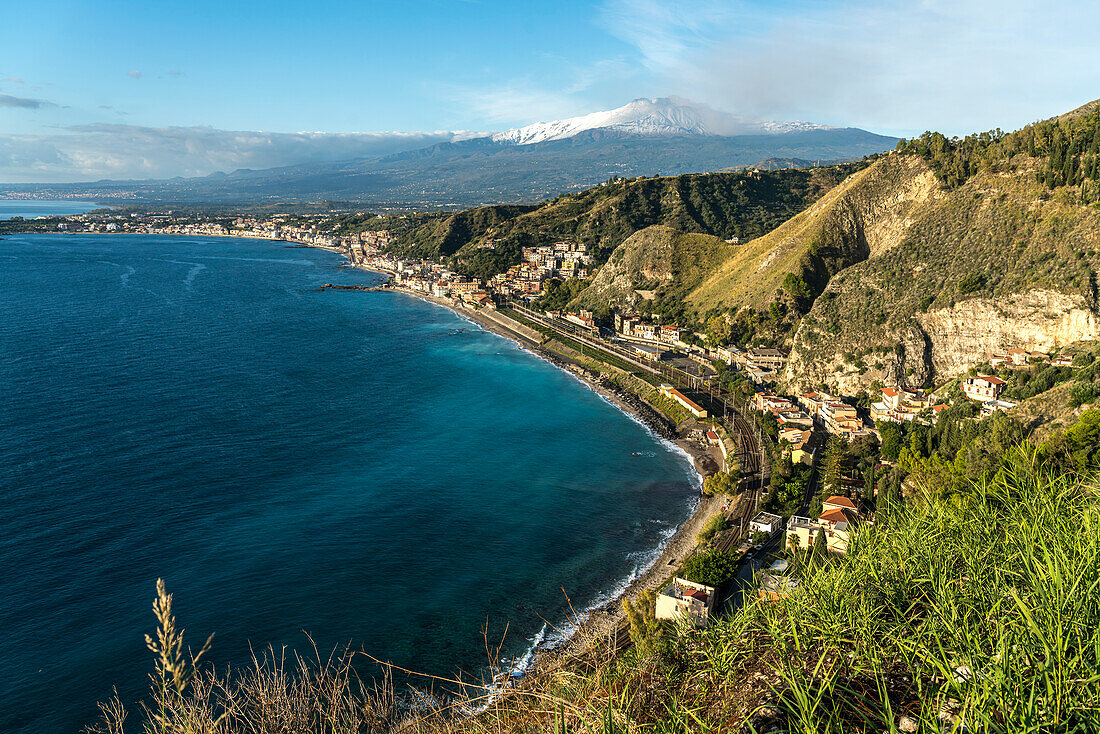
(278, 229)
(562, 260)
(432, 279)
(559, 260)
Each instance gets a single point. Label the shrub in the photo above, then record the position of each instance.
(718, 483)
(1081, 395)
(714, 525)
(971, 283)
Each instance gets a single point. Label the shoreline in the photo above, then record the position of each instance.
(600, 622)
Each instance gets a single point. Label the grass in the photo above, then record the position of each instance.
(757, 268)
(980, 611)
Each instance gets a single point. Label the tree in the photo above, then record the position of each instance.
(820, 550)
(711, 567)
(835, 453)
(718, 483)
(719, 330)
(799, 292)
(1078, 448)
(892, 435)
(646, 631)
(971, 283)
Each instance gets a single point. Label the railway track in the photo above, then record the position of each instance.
(714, 398)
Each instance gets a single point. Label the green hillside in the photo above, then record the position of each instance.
(856, 218)
(726, 205)
(657, 260)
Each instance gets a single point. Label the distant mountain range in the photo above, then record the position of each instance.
(646, 137)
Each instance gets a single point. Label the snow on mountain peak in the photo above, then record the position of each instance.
(664, 116)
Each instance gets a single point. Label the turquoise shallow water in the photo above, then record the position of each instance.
(366, 467)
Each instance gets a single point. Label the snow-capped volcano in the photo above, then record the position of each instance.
(664, 116)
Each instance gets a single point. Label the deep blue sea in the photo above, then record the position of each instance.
(31, 208)
(367, 467)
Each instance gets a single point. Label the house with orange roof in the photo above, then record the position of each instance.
(1016, 358)
(837, 522)
(684, 599)
(837, 502)
(982, 388)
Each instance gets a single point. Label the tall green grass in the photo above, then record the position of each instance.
(980, 613)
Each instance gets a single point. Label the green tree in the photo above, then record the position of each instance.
(835, 454)
(1078, 447)
(712, 567)
(646, 631)
(718, 483)
(892, 436)
(820, 550)
(719, 330)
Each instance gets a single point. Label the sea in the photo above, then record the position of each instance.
(31, 208)
(301, 466)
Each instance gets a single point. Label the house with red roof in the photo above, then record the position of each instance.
(982, 388)
(837, 521)
(684, 599)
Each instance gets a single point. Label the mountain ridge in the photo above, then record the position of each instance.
(661, 116)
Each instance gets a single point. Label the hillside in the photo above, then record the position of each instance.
(724, 205)
(994, 263)
(653, 258)
(863, 216)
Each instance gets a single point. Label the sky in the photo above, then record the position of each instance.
(125, 89)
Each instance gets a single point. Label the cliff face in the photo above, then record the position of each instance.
(1039, 320)
(997, 263)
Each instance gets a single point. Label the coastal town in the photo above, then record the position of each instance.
(723, 397)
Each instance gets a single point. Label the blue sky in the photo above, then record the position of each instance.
(81, 83)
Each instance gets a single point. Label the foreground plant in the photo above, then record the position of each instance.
(273, 695)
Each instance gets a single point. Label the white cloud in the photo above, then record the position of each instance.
(135, 74)
(515, 101)
(954, 65)
(666, 32)
(97, 151)
(26, 103)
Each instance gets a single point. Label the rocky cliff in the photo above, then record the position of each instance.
(997, 263)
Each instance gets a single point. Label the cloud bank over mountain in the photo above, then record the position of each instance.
(97, 151)
(121, 152)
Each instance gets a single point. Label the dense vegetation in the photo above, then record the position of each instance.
(1068, 147)
(744, 205)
